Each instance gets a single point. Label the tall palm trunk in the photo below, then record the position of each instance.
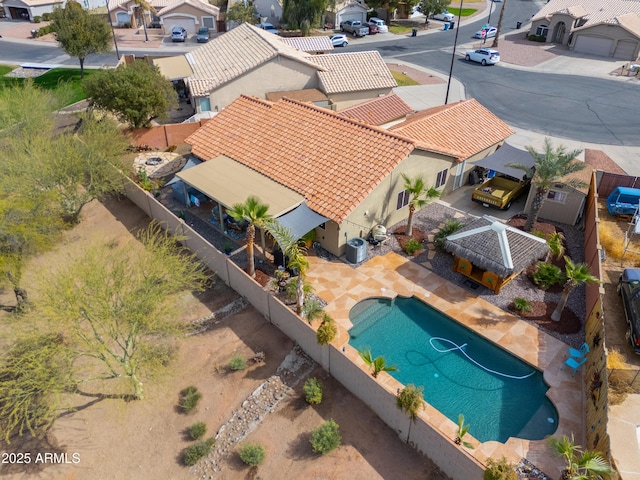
(534, 210)
(499, 27)
(412, 209)
(566, 291)
(299, 293)
(251, 236)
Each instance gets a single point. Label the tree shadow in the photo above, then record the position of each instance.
(300, 448)
(21, 445)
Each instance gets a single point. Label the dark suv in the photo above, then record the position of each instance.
(629, 289)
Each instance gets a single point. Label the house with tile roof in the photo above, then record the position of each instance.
(28, 9)
(349, 173)
(383, 111)
(248, 60)
(315, 44)
(343, 10)
(608, 28)
(166, 14)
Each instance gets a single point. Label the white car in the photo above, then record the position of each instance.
(268, 27)
(444, 16)
(382, 28)
(486, 33)
(485, 56)
(339, 40)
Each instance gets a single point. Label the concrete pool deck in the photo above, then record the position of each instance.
(342, 286)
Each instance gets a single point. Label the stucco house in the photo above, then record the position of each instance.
(607, 28)
(220, 71)
(189, 14)
(344, 10)
(316, 44)
(347, 172)
(28, 9)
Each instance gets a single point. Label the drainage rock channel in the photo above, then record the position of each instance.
(264, 400)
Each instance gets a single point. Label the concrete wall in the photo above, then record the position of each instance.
(343, 362)
(283, 74)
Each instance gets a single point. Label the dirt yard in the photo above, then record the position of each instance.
(112, 439)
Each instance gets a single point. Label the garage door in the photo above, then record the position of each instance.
(351, 16)
(626, 50)
(189, 24)
(593, 45)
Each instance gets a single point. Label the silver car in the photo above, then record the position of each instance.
(485, 56)
(178, 34)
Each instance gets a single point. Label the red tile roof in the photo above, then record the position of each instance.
(460, 129)
(379, 110)
(333, 162)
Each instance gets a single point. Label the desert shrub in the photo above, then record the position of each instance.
(37, 19)
(450, 227)
(522, 304)
(547, 275)
(327, 331)
(499, 470)
(412, 246)
(172, 148)
(537, 38)
(326, 437)
(189, 398)
(195, 452)
(197, 430)
(313, 391)
(46, 16)
(237, 362)
(252, 454)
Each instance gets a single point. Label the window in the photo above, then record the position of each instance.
(208, 22)
(403, 199)
(542, 31)
(555, 196)
(205, 104)
(323, 226)
(441, 178)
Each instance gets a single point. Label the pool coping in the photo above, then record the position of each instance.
(391, 275)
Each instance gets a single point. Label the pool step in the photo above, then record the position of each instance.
(370, 315)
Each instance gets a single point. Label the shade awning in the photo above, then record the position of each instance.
(301, 220)
(506, 154)
(173, 68)
(229, 182)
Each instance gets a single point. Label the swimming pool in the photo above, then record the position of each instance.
(461, 372)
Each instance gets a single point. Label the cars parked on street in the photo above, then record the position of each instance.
(268, 27)
(629, 289)
(203, 35)
(444, 16)
(486, 33)
(339, 40)
(178, 34)
(485, 56)
(382, 28)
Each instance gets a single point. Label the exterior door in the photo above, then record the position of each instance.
(459, 175)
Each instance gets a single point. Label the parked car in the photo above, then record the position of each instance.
(486, 33)
(268, 27)
(629, 289)
(355, 28)
(444, 16)
(373, 29)
(382, 28)
(485, 56)
(623, 201)
(339, 40)
(203, 35)
(178, 34)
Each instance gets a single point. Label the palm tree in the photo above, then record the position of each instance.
(377, 365)
(585, 465)
(420, 196)
(145, 7)
(499, 27)
(313, 310)
(327, 331)
(556, 245)
(576, 275)
(461, 432)
(551, 165)
(255, 214)
(410, 400)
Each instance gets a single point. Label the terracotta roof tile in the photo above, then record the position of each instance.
(319, 43)
(353, 72)
(333, 162)
(379, 110)
(173, 4)
(460, 129)
(615, 12)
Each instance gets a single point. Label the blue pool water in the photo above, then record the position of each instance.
(500, 395)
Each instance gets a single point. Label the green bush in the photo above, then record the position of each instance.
(237, 362)
(327, 331)
(37, 19)
(499, 470)
(326, 437)
(313, 391)
(195, 452)
(412, 247)
(252, 454)
(46, 16)
(197, 430)
(522, 304)
(537, 38)
(547, 275)
(189, 398)
(450, 227)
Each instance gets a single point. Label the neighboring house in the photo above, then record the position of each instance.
(248, 60)
(607, 28)
(189, 14)
(464, 131)
(347, 10)
(563, 203)
(316, 44)
(382, 111)
(28, 9)
(269, 11)
(347, 172)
